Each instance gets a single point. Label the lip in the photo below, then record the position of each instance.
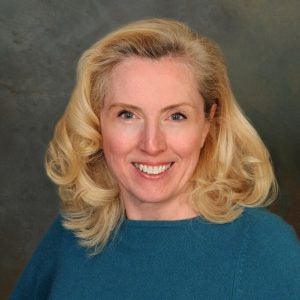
(153, 163)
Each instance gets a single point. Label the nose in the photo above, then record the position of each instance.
(152, 139)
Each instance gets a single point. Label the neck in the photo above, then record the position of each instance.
(159, 210)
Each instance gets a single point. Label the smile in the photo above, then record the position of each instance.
(152, 170)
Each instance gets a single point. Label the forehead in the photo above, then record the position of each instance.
(145, 78)
(165, 66)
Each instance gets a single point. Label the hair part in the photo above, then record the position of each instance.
(234, 169)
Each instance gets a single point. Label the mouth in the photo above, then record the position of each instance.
(153, 169)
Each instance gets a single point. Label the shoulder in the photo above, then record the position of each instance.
(38, 275)
(269, 259)
(268, 230)
(263, 223)
(56, 239)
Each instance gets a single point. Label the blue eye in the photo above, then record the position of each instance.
(177, 117)
(125, 114)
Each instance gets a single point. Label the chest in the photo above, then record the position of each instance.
(160, 271)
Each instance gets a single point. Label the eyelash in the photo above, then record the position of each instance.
(125, 114)
(128, 115)
(178, 117)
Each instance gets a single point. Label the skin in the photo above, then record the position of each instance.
(153, 115)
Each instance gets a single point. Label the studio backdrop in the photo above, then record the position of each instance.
(41, 42)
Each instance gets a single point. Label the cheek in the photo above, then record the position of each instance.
(115, 149)
(117, 141)
(113, 144)
(189, 142)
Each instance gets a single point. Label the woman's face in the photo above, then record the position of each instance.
(153, 129)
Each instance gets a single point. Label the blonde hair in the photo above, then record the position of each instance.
(234, 169)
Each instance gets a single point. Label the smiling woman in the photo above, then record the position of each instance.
(160, 176)
(153, 128)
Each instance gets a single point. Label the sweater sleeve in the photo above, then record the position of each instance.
(269, 265)
(35, 281)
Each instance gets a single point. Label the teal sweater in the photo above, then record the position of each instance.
(255, 257)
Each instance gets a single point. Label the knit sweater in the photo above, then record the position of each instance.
(256, 256)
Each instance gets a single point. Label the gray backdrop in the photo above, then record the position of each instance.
(41, 42)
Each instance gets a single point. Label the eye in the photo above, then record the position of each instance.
(177, 116)
(125, 114)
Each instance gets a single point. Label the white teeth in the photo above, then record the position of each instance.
(152, 169)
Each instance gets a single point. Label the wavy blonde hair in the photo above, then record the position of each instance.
(234, 170)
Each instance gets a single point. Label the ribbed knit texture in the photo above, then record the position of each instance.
(255, 257)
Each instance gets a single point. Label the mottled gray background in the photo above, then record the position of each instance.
(41, 42)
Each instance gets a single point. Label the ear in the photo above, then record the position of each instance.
(212, 113)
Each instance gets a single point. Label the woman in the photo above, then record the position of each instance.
(160, 176)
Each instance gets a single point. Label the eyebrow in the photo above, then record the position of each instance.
(124, 105)
(136, 108)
